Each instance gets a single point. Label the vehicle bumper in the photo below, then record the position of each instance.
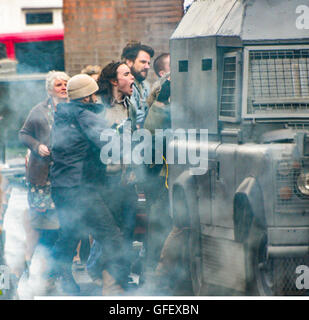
(288, 242)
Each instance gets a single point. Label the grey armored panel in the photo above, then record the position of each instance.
(217, 253)
(281, 20)
(205, 18)
(194, 92)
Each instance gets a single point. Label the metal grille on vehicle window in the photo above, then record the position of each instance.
(228, 91)
(285, 276)
(279, 80)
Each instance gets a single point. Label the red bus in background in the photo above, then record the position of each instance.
(25, 59)
(35, 51)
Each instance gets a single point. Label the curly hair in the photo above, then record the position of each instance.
(52, 76)
(131, 50)
(108, 74)
(90, 70)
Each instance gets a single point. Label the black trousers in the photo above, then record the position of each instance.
(121, 200)
(82, 211)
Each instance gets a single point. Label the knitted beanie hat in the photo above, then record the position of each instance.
(80, 86)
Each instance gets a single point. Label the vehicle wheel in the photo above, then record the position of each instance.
(195, 256)
(186, 219)
(259, 268)
(182, 278)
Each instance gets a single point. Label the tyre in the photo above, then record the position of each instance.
(191, 261)
(196, 258)
(259, 267)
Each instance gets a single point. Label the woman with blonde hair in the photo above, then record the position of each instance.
(35, 134)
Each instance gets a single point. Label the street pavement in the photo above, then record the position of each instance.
(31, 283)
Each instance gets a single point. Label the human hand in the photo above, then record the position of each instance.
(43, 150)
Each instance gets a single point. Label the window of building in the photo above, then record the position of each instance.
(39, 18)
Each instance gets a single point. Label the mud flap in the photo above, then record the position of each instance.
(224, 262)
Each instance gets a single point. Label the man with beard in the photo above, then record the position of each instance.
(137, 56)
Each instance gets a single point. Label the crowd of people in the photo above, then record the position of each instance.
(81, 209)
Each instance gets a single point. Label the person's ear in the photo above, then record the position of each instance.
(161, 73)
(114, 83)
(129, 63)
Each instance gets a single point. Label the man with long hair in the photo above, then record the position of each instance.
(115, 88)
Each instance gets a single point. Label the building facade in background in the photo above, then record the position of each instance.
(44, 35)
(95, 31)
(31, 44)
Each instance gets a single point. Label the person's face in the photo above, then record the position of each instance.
(140, 66)
(91, 99)
(125, 80)
(167, 67)
(59, 89)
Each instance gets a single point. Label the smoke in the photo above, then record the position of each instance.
(33, 281)
(39, 56)
(15, 241)
(17, 97)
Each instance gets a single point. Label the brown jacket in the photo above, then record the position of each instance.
(120, 111)
(114, 115)
(36, 131)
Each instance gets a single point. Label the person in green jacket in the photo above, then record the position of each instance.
(155, 187)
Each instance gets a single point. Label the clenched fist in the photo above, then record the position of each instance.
(43, 150)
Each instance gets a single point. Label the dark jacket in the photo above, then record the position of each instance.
(36, 131)
(76, 145)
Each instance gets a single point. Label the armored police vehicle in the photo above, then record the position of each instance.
(240, 68)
